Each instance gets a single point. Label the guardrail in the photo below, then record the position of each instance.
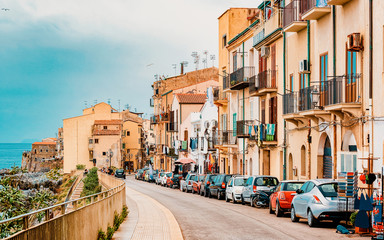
(97, 210)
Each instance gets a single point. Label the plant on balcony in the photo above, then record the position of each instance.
(233, 82)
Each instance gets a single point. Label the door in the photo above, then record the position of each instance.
(274, 196)
(290, 167)
(306, 198)
(273, 66)
(350, 82)
(327, 163)
(266, 162)
(248, 188)
(323, 80)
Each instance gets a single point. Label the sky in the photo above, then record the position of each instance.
(56, 57)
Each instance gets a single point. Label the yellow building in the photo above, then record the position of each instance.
(132, 148)
(90, 138)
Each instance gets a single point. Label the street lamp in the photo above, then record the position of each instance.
(110, 154)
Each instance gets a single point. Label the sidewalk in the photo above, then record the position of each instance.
(147, 219)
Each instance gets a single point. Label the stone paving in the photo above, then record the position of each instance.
(147, 219)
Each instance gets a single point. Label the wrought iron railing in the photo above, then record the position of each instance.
(291, 13)
(227, 137)
(290, 103)
(241, 75)
(266, 79)
(226, 84)
(218, 94)
(307, 5)
(244, 128)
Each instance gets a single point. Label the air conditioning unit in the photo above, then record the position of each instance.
(264, 51)
(304, 66)
(354, 42)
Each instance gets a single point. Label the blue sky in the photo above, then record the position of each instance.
(55, 55)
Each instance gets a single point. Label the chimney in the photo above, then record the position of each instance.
(182, 68)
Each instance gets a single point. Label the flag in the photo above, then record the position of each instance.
(211, 159)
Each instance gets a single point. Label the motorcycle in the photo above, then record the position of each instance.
(261, 199)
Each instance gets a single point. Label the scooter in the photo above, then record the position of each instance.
(261, 199)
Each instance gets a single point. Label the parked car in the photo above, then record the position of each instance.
(159, 177)
(119, 173)
(173, 180)
(196, 184)
(186, 185)
(281, 198)
(152, 177)
(218, 186)
(317, 200)
(235, 188)
(258, 189)
(165, 179)
(204, 188)
(139, 174)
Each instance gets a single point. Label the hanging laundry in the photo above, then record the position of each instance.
(250, 129)
(184, 145)
(270, 132)
(362, 219)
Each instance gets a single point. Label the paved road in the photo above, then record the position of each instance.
(203, 218)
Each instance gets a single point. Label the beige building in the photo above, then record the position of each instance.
(132, 148)
(90, 138)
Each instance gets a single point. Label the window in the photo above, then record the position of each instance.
(234, 61)
(304, 186)
(348, 162)
(96, 140)
(123, 145)
(310, 186)
(46, 150)
(351, 88)
(128, 133)
(224, 42)
(303, 161)
(240, 181)
(303, 80)
(128, 150)
(104, 153)
(273, 110)
(329, 189)
(263, 111)
(105, 127)
(249, 181)
(41, 150)
(266, 181)
(234, 124)
(90, 141)
(293, 186)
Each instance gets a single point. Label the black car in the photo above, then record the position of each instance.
(204, 188)
(218, 186)
(120, 173)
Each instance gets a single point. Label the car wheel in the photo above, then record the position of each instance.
(311, 219)
(242, 200)
(294, 218)
(270, 209)
(193, 191)
(252, 202)
(226, 197)
(233, 199)
(278, 210)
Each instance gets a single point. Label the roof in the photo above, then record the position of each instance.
(44, 143)
(106, 132)
(107, 122)
(185, 98)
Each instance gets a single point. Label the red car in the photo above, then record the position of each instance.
(196, 184)
(281, 199)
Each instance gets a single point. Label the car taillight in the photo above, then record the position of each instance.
(316, 200)
(282, 196)
(208, 183)
(223, 185)
(189, 182)
(254, 188)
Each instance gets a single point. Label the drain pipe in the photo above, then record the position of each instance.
(243, 115)
(285, 123)
(309, 139)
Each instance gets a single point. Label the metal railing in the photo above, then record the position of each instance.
(59, 210)
(266, 79)
(290, 103)
(227, 137)
(292, 13)
(154, 119)
(218, 94)
(268, 26)
(164, 117)
(241, 75)
(226, 84)
(307, 5)
(242, 128)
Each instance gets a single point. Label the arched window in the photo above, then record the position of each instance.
(303, 161)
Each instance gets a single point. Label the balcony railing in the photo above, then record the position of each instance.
(164, 117)
(266, 79)
(240, 77)
(244, 128)
(292, 13)
(268, 27)
(290, 103)
(226, 84)
(154, 119)
(219, 95)
(307, 5)
(227, 137)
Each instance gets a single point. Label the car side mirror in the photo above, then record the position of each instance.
(299, 191)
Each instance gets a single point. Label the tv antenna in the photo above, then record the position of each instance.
(205, 61)
(196, 59)
(213, 58)
(118, 101)
(109, 101)
(174, 67)
(86, 104)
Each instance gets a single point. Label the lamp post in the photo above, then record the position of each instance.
(110, 154)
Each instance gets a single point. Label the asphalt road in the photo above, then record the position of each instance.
(204, 218)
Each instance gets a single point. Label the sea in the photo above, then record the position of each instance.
(11, 154)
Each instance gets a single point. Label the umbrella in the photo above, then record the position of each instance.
(185, 161)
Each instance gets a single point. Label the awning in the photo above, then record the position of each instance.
(185, 161)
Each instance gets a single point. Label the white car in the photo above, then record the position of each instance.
(160, 175)
(163, 180)
(235, 188)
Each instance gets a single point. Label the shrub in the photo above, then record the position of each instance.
(80, 166)
(91, 183)
(352, 218)
(101, 235)
(110, 232)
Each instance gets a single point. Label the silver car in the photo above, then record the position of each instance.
(235, 188)
(317, 200)
(186, 185)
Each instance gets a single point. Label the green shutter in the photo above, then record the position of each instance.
(123, 145)
(234, 124)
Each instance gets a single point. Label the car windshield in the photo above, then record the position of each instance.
(212, 178)
(266, 181)
(176, 176)
(328, 189)
(240, 181)
(162, 174)
(119, 171)
(292, 186)
(169, 174)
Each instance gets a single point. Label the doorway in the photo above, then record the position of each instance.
(290, 167)
(266, 162)
(327, 159)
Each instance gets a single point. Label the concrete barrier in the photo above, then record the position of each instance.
(82, 223)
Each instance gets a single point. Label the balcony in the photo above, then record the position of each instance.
(265, 82)
(154, 119)
(314, 9)
(244, 128)
(226, 85)
(239, 79)
(292, 21)
(172, 127)
(220, 97)
(266, 135)
(270, 30)
(227, 137)
(338, 2)
(164, 117)
(290, 108)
